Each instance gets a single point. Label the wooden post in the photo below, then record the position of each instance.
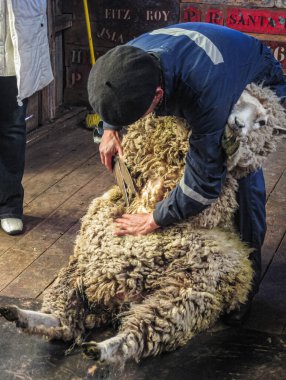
(48, 94)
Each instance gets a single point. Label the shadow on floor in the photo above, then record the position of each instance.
(226, 354)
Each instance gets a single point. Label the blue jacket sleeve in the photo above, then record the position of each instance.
(204, 172)
(111, 127)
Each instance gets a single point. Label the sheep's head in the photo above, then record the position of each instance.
(247, 114)
(249, 133)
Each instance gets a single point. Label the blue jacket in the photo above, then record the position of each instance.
(205, 69)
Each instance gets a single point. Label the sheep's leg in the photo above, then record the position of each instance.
(105, 351)
(114, 350)
(28, 319)
(166, 319)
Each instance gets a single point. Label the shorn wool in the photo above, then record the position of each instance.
(165, 287)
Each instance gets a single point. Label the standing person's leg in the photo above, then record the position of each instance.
(12, 156)
(251, 223)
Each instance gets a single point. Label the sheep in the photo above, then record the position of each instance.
(165, 287)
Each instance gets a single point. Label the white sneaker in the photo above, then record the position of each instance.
(12, 226)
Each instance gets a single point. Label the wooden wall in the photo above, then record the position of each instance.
(112, 23)
(115, 22)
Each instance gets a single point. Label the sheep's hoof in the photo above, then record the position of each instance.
(13, 314)
(10, 313)
(91, 350)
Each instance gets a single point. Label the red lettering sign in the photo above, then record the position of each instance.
(214, 16)
(191, 14)
(256, 20)
(250, 20)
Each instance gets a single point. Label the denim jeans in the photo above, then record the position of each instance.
(12, 149)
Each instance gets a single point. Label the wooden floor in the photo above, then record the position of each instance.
(63, 174)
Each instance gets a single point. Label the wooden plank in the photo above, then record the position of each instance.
(274, 167)
(74, 93)
(276, 210)
(71, 117)
(265, 37)
(59, 71)
(77, 34)
(76, 8)
(49, 201)
(54, 236)
(58, 170)
(58, 7)
(39, 275)
(59, 218)
(269, 309)
(63, 21)
(45, 267)
(52, 95)
(41, 154)
(14, 262)
(41, 157)
(280, 3)
(61, 163)
(75, 159)
(48, 94)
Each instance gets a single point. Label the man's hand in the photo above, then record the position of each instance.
(110, 145)
(135, 224)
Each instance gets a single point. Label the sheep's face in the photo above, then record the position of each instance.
(247, 114)
(248, 136)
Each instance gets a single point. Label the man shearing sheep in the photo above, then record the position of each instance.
(195, 71)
